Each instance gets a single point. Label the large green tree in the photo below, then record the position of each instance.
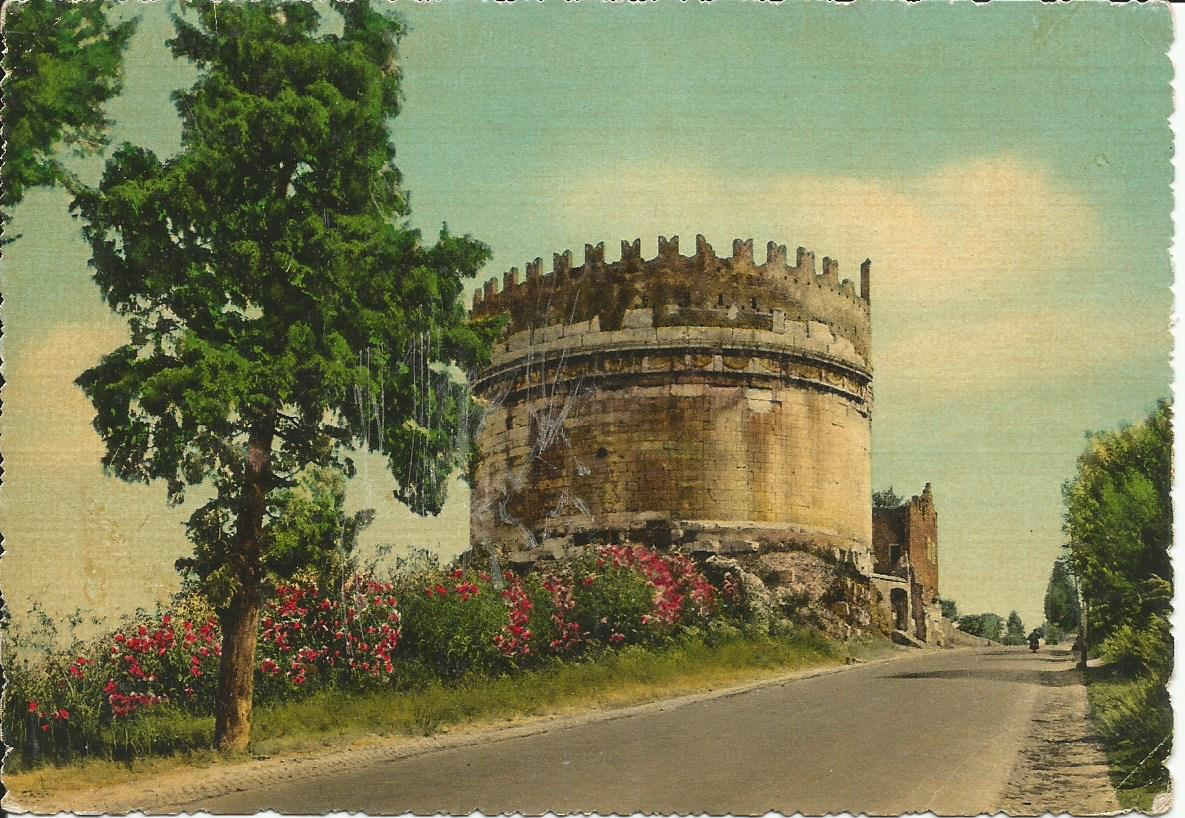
(281, 314)
(1118, 515)
(63, 62)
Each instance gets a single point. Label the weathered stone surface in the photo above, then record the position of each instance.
(907, 639)
(708, 404)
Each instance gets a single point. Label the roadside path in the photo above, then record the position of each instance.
(1062, 766)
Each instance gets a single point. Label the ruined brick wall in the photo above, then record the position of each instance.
(905, 544)
(922, 527)
(889, 538)
(677, 398)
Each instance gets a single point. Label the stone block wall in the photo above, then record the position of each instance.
(677, 398)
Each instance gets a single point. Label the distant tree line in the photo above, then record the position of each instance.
(1008, 630)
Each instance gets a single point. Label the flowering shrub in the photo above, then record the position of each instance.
(515, 639)
(64, 704)
(310, 638)
(451, 622)
(365, 633)
(617, 595)
(681, 592)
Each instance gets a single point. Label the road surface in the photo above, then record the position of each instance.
(937, 732)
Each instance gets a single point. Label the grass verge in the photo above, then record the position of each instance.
(1135, 720)
(329, 719)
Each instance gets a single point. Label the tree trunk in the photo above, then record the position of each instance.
(236, 674)
(240, 619)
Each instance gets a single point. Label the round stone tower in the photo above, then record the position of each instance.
(677, 400)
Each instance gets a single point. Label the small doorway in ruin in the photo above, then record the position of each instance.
(900, 603)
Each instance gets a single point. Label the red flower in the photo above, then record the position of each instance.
(45, 727)
(32, 706)
(63, 714)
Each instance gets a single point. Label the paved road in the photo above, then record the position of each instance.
(937, 732)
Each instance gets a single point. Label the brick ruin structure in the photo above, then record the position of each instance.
(710, 404)
(905, 565)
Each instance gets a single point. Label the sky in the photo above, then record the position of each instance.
(1005, 166)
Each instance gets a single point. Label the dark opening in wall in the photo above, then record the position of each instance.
(602, 452)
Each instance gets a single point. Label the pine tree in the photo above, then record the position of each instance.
(280, 313)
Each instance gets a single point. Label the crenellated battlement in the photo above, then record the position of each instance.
(703, 289)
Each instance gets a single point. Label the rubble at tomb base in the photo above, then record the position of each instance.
(781, 582)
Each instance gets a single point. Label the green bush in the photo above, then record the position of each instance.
(1135, 720)
(614, 602)
(1144, 650)
(450, 620)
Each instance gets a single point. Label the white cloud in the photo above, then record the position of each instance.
(961, 231)
(970, 260)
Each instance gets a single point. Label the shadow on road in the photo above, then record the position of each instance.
(1050, 678)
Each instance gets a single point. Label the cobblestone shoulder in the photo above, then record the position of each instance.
(1062, 766)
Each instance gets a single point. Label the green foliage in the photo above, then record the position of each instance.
(270, 295)
(1118, 515)
(449, 632)
(1145, 649)
(281, 315)
(1135, 719)
(63, 62)
(308, 530)
(1061, 598)
(886, 498)
(987, 625)
(1119, 518)
(950, 608)
(620, 601)
(1014, 632)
